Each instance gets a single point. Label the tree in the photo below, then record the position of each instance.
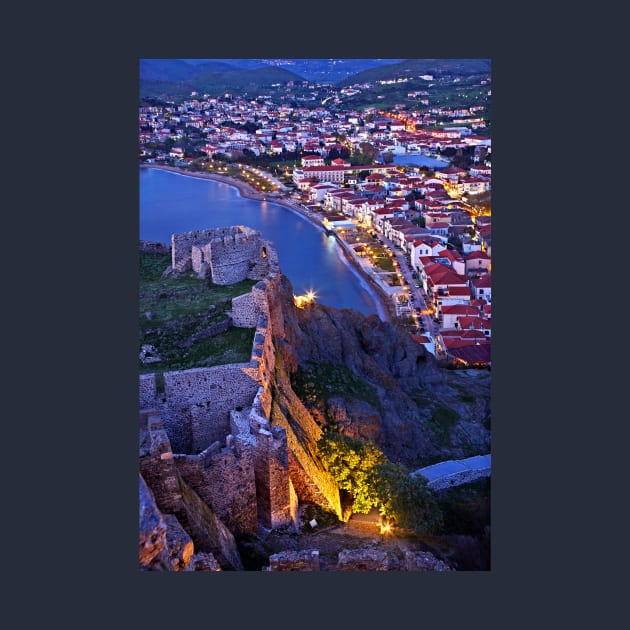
(362, 469)
(406, 500)
(369, 150)
(351, 463)
(388, 157)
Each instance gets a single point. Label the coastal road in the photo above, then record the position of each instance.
(419, 301)
(268, 175)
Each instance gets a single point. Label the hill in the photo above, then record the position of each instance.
(417, 67)
(317, 70)
(178, 69)
(212, 78)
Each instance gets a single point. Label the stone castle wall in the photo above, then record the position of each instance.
(200, 399)
(223, 476)
(174, 495)
(183, 243)
(226, 255)
(311, 483)
(217, 419)
(147, 391)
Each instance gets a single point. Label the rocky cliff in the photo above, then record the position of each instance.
(394, 392)
(364, 376)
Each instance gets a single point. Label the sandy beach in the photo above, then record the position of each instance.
(384, 305)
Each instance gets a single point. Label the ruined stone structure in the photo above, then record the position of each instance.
(208, 431)
(225, 255)
(369, 558)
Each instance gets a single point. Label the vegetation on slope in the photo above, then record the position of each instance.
(184, 319)
(315, 383)
(361, 469)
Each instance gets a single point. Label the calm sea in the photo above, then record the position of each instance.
(172, 203)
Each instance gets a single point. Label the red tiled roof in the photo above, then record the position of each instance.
(455, 291)
(477, 254)
(484, 282)
(468, 323)
(474, 354)
(460, 309)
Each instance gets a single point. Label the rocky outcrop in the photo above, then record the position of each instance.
(307, 560)
(164, 544)
(168, 491)
(424, 412)
(153, 552)
(370, 559)
(424, 561)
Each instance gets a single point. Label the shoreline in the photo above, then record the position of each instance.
(384, 306)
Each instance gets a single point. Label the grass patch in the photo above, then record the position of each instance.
(324, 518)
(183, 317)
(314, 383)
(442, 420)
(464, 394)
(422, 397)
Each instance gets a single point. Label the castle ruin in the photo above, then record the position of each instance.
(209, 430)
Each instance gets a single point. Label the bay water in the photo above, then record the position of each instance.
(172, 203)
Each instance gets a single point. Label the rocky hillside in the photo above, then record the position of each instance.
(372, 381)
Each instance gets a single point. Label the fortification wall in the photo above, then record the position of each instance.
(305, 560)
(276, 497)
(217, 419)
(226, 255)
(173, 495)
(311, 482)
(182, 244)
(199, 400)
(147, 391)
(223, 477)
(232, 258)
(157, 466)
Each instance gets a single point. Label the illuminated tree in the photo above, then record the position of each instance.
(406, 500)
(351, 463)
(361, 469)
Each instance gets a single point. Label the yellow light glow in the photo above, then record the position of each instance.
(303, 300)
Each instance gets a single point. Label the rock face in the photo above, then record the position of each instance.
(419, 412)
(424, 412)
(153, 552)
(363, 560)
(164, 544)
(307, 560)
(424, 561)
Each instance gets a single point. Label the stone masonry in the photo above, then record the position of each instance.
(217, 420)
(224, 255)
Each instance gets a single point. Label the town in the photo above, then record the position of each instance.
(421, 232)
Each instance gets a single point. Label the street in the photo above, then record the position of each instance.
(416, 293)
